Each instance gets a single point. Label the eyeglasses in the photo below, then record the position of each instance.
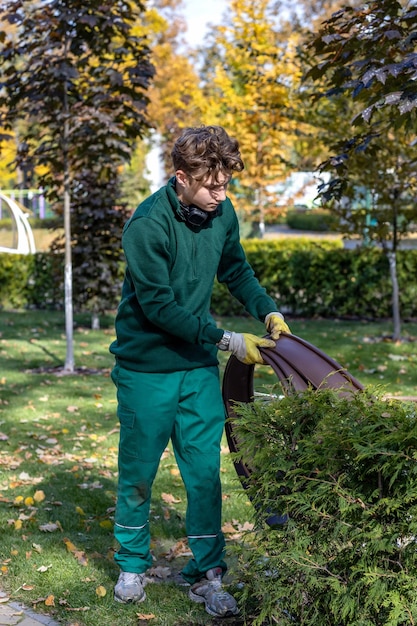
(215, 188)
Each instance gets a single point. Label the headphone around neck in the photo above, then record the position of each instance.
(193, 215)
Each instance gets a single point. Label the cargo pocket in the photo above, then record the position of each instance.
(127, 419)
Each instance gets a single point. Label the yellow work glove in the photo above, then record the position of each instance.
(246, 347)
(275, 324)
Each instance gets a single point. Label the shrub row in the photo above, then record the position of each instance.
(307, 278)
(318, 220)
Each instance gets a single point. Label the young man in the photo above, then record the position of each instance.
(166, 372)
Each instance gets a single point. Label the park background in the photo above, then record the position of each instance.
(90, 93)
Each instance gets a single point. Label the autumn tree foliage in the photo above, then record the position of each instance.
(176, 100)
(248, 74)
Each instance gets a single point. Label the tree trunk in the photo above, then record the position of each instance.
(69, 323)
(392, 259)
(95, 321)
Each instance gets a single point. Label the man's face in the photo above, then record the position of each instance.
(206, 194)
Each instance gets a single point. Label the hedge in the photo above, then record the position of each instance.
(306, 278)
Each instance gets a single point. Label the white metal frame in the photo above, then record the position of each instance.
(25, 239)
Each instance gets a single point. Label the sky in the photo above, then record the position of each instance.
(198, 14)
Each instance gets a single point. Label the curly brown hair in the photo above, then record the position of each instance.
(206, 151)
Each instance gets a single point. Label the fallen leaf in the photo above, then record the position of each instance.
(43, 568)
(101, 591)
(70, 545)
(228, 528)
(107, 524)
(178, 549)
(169, 498)
(160, 572)
(50, 600)
(50, 527)
(81, 557)
(145, 616)
(39, 496)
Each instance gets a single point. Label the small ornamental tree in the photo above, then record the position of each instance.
(366, 56)
(343, 469)
(75, 71)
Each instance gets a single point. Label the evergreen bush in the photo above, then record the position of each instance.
(343, 468)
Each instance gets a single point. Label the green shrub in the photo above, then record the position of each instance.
(319, 220)
(47, 222)
(14, 272)
(343, 468)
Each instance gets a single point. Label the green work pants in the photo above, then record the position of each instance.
(187, 408)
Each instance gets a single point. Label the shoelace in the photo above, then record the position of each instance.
(217, 588)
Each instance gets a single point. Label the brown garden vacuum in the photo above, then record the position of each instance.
(298, 365)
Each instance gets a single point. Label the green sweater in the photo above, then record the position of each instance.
(163, 323)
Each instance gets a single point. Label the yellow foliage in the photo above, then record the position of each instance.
(249, 90)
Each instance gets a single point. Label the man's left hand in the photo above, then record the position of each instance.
(275, 324)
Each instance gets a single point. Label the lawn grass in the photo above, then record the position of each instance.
(58, 465)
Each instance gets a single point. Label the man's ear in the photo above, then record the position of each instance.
(181, 177)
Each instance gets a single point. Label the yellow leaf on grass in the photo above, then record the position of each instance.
(174, 471)
(29, 501)
(50, 600)
(70, 545)
(39, 495)
(4, 569)
(101, 591)
(14, 552)
(79, 510)
(18, 524)
(106, 523)
(145, 616)
(18, 500)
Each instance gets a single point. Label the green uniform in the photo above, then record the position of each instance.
(166, 368)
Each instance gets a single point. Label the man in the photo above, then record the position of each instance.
(166, 370)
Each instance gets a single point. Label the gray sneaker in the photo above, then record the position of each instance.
(129, 587)
(209, 590)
